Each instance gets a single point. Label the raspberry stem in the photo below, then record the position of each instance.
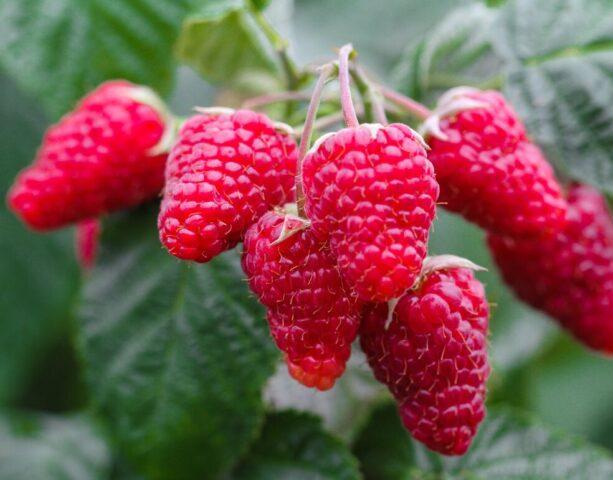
(305, 139)
(412, 106)
(275, 97)
(351, 119)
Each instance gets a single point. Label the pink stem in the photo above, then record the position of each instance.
(305, 139)
(420, 111)
(277, 97)
(351, 119)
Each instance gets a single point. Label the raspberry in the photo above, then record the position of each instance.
(226, 170)
(433, 357)
(488, 169)
(370, 191)
(312, 318)
(569, 275)
(97, 159)
(86, 242)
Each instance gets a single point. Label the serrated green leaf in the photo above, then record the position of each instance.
(46, 447)
(559, 58)
(38, 273)
(509, 446)
(322, 25)
(223, 44)
(176, 354)
(294, 445)
(457, 52)
(60, 49)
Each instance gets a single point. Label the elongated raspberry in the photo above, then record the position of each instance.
(370, 191)
(226, 169)
(312, 318)
(433, 357)
(488, 169)
(86, 242)
(97, 159)
(570, 275)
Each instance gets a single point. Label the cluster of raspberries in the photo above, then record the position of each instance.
(352, 260)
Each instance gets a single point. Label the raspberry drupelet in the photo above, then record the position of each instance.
(432, 355)
(371, 193)
(488, 169)
(97, 159)
(312, 316)
(570, 275)
(226, 169)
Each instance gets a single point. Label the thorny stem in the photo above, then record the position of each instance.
(417, 109)
(371, 96)
(305, 139)
(349, 114)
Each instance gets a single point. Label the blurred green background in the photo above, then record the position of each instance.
(555, 65)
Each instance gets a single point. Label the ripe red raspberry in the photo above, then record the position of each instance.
(370, 191)
(224, 172)
(312, 318)
(488, 169)
(570, 275)
(86, 242)
(433, 357)
(97, 159)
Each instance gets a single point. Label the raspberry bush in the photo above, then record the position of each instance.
(316, 261)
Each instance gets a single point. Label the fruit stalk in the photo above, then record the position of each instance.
(351, 119)
(412, 106)
(305, 138)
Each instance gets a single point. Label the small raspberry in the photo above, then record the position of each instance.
(97, 159)
(433, 357)
(311, 317)
(86, 242)
(225, 171)
(370, 191)
(569, 275)
(488, 169)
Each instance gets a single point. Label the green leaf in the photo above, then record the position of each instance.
(46, 447)
(457, 52)
(294, 445)
(322, 25)
(223, 43)
(38, 273)
(559, 57)
(60, 49)
(176, 354)
(509, 446)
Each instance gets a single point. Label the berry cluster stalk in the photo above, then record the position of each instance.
(417, 109)
(351, 119)
(305, 139)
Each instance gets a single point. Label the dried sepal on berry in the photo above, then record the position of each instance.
(432, 355)
(488, 169)
(311, 314)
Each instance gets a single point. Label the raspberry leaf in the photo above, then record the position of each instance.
(561, 80)
(295, 445)
(38, 274)
(176, 354)
(51, 447)
(221, 41)
(60, 49)
(457, 52)
(387, 452)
